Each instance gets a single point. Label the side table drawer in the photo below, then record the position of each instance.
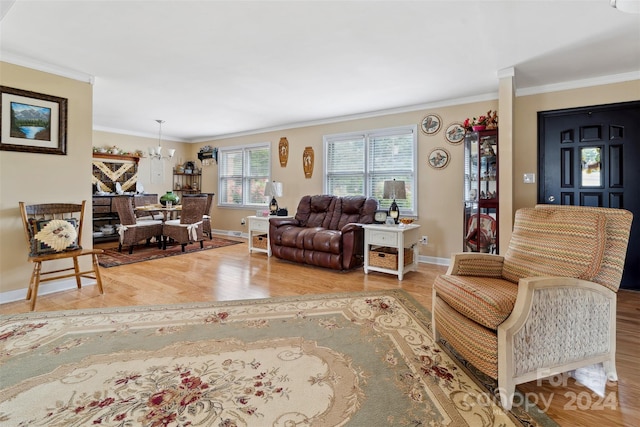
(260, 225)
(383, 238)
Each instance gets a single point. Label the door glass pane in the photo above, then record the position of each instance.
(591, 167)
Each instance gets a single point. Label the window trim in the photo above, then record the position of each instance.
(244, 148)
(413, 129)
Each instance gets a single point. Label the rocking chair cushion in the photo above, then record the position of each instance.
(548, 242)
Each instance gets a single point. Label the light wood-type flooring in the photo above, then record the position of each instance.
(232, 273)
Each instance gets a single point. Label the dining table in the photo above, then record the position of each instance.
(167, 211)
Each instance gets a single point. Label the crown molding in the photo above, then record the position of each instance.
(140, 134)
(579, 84)
(47, 68)
(367, 115)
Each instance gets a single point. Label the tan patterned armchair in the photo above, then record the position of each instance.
(547, 306)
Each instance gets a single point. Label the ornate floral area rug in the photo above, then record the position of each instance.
(354, 359)
(112, 258)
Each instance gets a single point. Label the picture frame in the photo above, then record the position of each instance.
(439, 158)
(454, 134)
(431, 124)
(32, 122)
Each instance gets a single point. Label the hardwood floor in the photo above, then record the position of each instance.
(232, 273)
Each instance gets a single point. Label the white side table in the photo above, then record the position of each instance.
(396, 237)
(260, 225)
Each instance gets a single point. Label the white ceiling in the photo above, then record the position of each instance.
(214, 68)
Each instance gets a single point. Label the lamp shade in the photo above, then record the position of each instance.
(627, 6)
(273, 189)
(394, 190)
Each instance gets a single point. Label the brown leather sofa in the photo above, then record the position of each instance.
(325, 231)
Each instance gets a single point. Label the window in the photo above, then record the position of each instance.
(360, 162)
(243, 172)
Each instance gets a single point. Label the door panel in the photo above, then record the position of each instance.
(590, 156)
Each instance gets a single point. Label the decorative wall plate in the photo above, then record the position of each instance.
(307, 162)
(431, 124)
(454, 133)
(439, 158)
(283, 151)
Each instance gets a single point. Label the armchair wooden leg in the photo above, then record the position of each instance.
(130, 249)
(31, 282)
(610, 369)
(96, 269)
(76, 268)
(506, 392)
(201, 244)
(36, 283)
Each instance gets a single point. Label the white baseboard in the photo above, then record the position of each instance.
(434, 260)
(44, 289)
(231, 233)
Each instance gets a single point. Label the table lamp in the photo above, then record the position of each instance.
(273, 189)
(394, 190)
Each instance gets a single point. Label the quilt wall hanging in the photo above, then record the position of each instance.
(107, 174)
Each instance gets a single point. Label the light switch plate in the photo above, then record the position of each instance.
(529, 178)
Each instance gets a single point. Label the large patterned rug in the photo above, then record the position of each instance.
(112, 258)
(356, 359)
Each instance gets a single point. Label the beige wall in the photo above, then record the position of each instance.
(439, 190)
(42, 178)
(45, 178)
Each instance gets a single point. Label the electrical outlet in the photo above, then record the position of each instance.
(424, 240)
(243, 221)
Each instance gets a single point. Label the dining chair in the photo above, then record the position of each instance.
(133, 229)
(206, 218)
(54, 233)
(145, 200)
(189, 227)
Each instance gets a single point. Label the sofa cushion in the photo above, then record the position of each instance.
(294, 237)
(329, 241)
(348, 210)
(549, 242)
(486, 300)
(316, 211)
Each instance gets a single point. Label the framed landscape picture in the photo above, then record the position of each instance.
(32, 122)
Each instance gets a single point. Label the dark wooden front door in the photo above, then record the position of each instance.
(590, 156)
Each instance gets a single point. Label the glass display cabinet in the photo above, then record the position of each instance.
(481, 191)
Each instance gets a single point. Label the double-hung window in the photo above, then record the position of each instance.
(359, 163)
(243, 172)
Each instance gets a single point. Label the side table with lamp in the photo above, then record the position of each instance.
(259, 224)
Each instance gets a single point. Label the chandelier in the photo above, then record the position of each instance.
(156, 152)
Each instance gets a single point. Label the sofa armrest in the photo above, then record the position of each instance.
(476, 264)
(352, 245)
(555, 322)
(352, 226)
(279, 222)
